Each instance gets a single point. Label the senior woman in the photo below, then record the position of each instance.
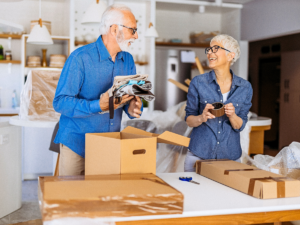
(217, 137)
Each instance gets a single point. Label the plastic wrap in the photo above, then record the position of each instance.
(37, 96)
(107, 196)
(286, 162)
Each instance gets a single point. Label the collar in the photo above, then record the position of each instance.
(103, 53)
(235, 79)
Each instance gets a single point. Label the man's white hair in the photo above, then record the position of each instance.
(112, 15)
(229, 43)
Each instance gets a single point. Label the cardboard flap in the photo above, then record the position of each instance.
(173, 139)
(133, 130)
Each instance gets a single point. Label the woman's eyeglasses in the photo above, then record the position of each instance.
(214, 49)
(134, 30)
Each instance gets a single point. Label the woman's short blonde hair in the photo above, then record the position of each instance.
(229, 43)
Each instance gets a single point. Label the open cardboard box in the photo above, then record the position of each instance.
(129, 151)
(107, 196)
(250, 180)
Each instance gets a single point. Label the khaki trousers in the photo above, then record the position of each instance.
(70, 163)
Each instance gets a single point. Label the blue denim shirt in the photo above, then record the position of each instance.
(88, 72)
(216, 138)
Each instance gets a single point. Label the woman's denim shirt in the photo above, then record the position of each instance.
(216, 138)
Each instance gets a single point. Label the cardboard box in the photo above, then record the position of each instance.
(107, 196)
(45, 80)
(41, 95)
(249, 180)
(129, 151)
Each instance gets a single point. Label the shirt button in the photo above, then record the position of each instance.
(219, 132)
(237, 104)
(219, 90)
(221, 100)
(111, 124)
(219, 121)
(218, 142)
(205, 101)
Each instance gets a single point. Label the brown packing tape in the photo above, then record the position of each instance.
(199, 162)
(280, 184)
(226, 172)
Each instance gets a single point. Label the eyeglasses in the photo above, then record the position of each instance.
(214, 49)
(134, 30)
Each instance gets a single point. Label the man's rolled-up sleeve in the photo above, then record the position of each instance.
(192, 103)
(243, 113)
(66, 100)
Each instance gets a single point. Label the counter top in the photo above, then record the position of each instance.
(15, 120)
(260, 121)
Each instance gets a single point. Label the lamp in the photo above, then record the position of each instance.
(94, 13)
(151, 31)
(39, 34)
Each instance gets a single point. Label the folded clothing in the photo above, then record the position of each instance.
(133, 85)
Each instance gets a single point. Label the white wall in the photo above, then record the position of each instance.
(269, 18)
(231, 25)
(23, 12)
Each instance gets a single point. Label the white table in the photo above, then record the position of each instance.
(36, 157)
(211, 203)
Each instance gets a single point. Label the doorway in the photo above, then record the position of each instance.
(269, 97)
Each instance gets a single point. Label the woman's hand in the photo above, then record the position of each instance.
(236, 122)
(229, 110)
(206, 114)
(195, 121)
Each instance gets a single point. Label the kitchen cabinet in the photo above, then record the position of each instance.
(289, 122)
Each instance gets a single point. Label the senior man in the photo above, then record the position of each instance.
(88, 74)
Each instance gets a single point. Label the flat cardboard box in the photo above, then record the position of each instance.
(249, 180)
(129, 151)
(107, 196)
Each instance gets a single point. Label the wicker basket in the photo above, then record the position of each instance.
(202, 37)
(34, 61)
(57, 60)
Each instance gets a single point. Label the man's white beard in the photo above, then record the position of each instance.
(123, 44)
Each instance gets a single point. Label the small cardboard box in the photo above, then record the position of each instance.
(107, 196)
(250, 180)
(129, 151)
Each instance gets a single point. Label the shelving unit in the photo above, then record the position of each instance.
(13, 36)
(11, 61)
(191, 45)
(61, 45)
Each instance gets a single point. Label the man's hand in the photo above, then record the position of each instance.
(229, 110)
(206, 114)
(104, 101)
(135, 106)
